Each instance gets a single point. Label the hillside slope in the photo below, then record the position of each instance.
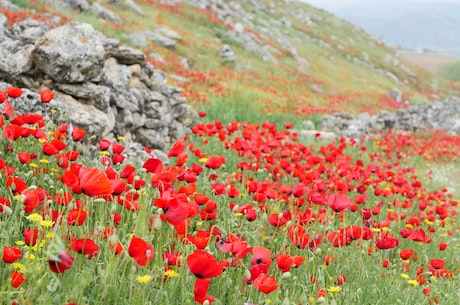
(274, 57)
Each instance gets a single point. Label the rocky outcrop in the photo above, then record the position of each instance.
(443, 115)
(100, 86)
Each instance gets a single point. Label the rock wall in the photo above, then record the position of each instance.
(99, 85)
(443, 115)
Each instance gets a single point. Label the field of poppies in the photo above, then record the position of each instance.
(246, 211)
(242, 214)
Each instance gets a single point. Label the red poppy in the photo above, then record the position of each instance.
(437, 263)
(176, 149)
(116, 247)
(215, 162)
(261, 255)
(104, 144)
(117, 148)
(265, 283)
(46, 96)
(141, 251)
(201, 289)
(443, 246)
(11, 254)
(16, 184)
(76, 217)
(406, 254)
(176, 209)
(78, 134)
(62, 262)
(93, 182)
(31, 200)
(14, 91)
(153, 165)
(387, 242)
(85, 246)
(203, 265)
(17, 279)
(30, 237)
(339, 202)
(298, 236)
(285, 262)
(4, 205)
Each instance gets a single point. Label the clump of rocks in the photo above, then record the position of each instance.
(443, 115)
(101, 86)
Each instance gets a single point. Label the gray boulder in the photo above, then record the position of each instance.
(72, 53)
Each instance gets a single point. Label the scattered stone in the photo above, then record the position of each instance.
(226, 53)
(395, 94)
(161, 40)
(104, 13)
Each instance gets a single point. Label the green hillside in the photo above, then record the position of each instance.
(290, 58)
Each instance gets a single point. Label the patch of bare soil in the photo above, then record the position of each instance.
(428, 61)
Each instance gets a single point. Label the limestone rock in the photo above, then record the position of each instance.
(72, 53)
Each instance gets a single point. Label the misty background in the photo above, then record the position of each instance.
(429, 26)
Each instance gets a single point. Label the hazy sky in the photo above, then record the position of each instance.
(336, 5)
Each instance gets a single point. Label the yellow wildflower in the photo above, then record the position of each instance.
(413, 282)
(20, 267)
(405, 276)
(45, 161)
(171, 273)
(202, 160)
(334, 289)
(144, 279)
(29, 256)
(46, 223)
(35, 217)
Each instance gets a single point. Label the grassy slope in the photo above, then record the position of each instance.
(275, 88)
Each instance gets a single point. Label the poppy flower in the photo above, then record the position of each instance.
(62, 262)
(406, 254)
(104, 144)
(31, 200)
(93, 182)
(203, 265)
(285, 262)
(201, 289)
(14, 91)
(78, 134)
(141, 251)
(153, 165)
(76, 217)
(176, 149)
(437, 263)
(25, 157)
(339, 202)
(46, 96)
(11, 254)
(17, 279)
(214, 162)
(16, 184)
(387, 242)
(30, 236)
(85, 246)
(265, 283)
(117, 148)
(261, 255)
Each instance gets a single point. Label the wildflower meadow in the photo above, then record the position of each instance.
(241, 213)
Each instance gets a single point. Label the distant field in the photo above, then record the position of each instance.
(429, 61)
